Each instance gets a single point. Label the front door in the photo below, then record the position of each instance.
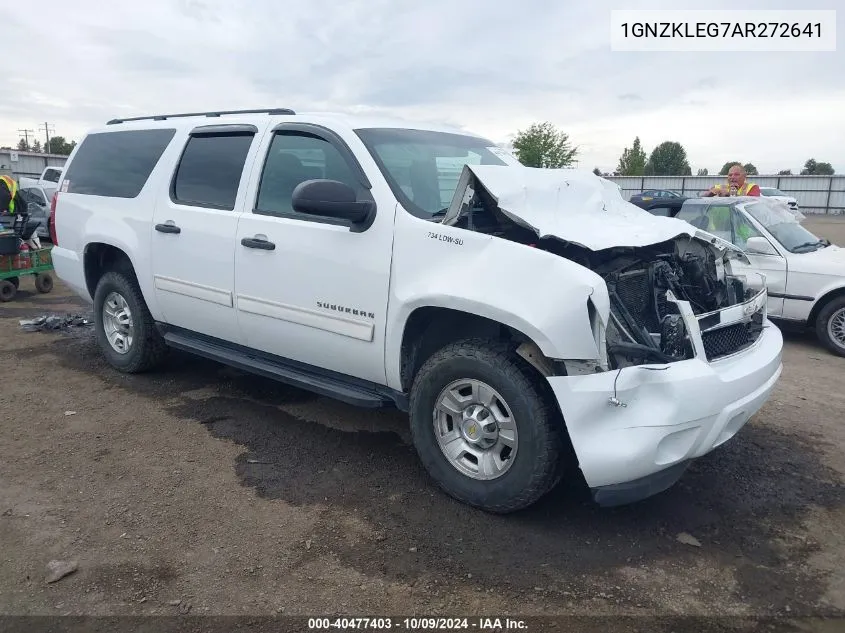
(311, 289)
(772, 266)
(193, 232)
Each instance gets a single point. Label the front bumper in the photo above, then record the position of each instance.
(672, 413)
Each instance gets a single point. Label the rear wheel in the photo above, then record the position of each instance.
(484, 428)
(15, 281)
(8, 290)
(124, 327)
(830, 326)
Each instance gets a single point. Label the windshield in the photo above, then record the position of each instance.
(784, 226)
(771, 191)
(423, 167)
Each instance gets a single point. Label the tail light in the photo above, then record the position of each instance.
(52, 221)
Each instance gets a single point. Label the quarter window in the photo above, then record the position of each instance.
(210, 170)
(116, 164)
(293, 158)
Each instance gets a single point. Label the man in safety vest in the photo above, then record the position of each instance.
(10, 197)
(737, 185)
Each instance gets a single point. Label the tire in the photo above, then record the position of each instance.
(146, 349)
(536, 465)
(830, 326)
(15, 281)
(43, 282)
(8, 290)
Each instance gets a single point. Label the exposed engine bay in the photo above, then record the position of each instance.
(648, 285)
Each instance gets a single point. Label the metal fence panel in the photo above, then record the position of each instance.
(28, 164)
(815, 194)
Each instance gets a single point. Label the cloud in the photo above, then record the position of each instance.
(492, 68)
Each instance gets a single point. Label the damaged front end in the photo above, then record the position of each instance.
(684, 354)
(673, 295)
(676, 301)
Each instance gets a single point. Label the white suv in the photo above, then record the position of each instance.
(530, 321)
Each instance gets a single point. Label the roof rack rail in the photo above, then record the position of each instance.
(163, 117)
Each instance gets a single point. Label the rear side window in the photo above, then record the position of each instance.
(210, 170)
(116, 164)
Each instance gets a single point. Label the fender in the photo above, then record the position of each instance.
(835, 287)
(801, 308)
(117, 233)
(544, 296)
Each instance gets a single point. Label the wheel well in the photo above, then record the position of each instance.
(428, 329)
(100, 259)
(821, 303)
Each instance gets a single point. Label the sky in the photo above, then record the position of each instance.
(488, 66)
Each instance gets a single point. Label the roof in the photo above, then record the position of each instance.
(348, 120)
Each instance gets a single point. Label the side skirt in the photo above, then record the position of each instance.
(359, 393)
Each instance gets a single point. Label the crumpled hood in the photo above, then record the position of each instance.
(573, 205)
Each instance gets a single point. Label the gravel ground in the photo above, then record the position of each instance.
(201, 490)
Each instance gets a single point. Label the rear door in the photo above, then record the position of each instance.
(193, 232)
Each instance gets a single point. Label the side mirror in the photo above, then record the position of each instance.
(760, 246)
(330, 198)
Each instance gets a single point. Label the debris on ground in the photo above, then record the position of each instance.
(58, 569)
(70, 412)
(688, 539)
(54, 322)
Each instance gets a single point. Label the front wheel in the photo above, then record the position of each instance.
(124, 327)
(830, 326)
(484, 428)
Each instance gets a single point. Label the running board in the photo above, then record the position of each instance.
(338, 389)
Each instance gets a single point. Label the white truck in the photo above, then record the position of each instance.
(530, 321)
(47, 182)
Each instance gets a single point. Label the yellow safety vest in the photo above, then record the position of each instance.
(741, 191)
(12, 186)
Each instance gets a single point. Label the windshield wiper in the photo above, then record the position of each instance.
(808, 245)
(440, 213)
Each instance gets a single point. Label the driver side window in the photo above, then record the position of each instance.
(743, 230)
(293, 158)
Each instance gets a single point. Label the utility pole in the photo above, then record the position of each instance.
(47, 131)
(26, 134)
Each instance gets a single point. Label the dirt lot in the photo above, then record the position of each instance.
(236, 495)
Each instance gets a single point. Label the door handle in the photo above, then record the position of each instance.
(255, 242)
(168, 228)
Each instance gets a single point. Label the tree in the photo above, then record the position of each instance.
(58, 145)
(597, 171)
(812, 168)
(543, 145)
(632, 162)
(668, 159)
(23, 146)
(785, 172)
(702, 172)
(750, 169)
(36, 146)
